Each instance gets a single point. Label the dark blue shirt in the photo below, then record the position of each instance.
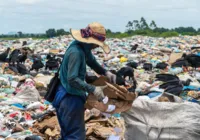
(73, 69)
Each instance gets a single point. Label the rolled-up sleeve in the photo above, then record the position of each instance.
(74, 65)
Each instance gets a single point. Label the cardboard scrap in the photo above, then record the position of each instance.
(120, 99)
(174, 56)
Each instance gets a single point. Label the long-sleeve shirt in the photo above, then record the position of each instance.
(73, 69)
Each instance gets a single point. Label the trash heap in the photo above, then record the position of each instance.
(24, 114)
(100, 127)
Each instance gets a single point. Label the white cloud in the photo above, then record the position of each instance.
(39, 15)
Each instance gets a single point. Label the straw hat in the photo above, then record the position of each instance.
(95, 33)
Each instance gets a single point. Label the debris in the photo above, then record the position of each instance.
(25, 114)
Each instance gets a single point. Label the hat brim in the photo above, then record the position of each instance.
(76, 34)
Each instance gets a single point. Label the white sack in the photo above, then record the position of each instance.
(150, 120)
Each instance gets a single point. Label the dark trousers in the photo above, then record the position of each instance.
(70, 113)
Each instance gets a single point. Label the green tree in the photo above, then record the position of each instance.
(108, 31)
(60, 32)
(129, 26)
(2, 36)
(32, 35)
(37, 35)
(198, 31)
(136, 24)
(28, 35)
(185, 30)
(153, 25)
(160, 30)
(43, 35)
(51, 33)
(143, 24)
(20, 34)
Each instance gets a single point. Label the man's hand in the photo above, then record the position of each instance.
(98, 92)
(112, 77)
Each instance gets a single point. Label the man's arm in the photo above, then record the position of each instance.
(73, 70)
(92, 63)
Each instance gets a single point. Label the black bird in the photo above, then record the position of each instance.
(22, 58)
(172, 83)
(90, 78)
(132, 64)
(37, 64)
(126, 71)
(122, 74)
(175, 89)
(119, 78)
(22, 69)
(24, 43)
(4, 55)
(148, 66)
(175, 82)
(134, 47)
(52, 63)
(50, 56)
(193, 60)
(166, 77)
(161, 66)
(13, 56)
(180, 63)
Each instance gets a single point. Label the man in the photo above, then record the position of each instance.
(71, 93)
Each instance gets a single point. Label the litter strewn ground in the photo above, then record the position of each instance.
(155, 70)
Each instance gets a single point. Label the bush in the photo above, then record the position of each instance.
(189, 33)
(169, 34)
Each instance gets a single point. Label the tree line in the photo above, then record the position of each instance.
(135, 27)
(49, 33)
(141, 27)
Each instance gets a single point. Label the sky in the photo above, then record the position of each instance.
(36, 16)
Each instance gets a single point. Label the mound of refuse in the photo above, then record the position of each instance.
(154, 75)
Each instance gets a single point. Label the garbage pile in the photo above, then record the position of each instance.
(100, 127)
(25, 114)
(149, 69)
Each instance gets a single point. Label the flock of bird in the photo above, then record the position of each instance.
(172, 84)
(16, 60)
